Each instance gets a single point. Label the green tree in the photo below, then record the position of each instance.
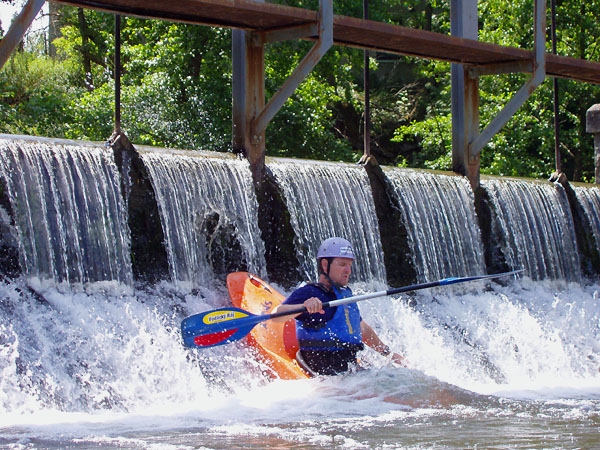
(525, 146)
(35, 95)
(176, 89)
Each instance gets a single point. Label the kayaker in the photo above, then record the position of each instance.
(329, 339)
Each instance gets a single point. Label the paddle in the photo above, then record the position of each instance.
(225, 325)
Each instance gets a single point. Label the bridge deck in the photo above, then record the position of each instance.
(347, 31)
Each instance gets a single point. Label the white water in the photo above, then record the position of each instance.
(104, 367)
(100, 364)
(439, 216)
(202, 200)
(589, 197)
(70, 216)
(536, 222)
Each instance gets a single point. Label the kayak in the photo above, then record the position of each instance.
(275, 343)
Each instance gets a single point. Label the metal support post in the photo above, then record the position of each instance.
(465, 94)
(592, 125)
(117, 73)
(465, 101)
(250, 114)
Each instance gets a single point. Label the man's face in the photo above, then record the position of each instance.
(340, 270)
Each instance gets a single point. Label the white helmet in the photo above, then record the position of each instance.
(335, 247)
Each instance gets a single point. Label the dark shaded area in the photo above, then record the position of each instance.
(277, 233)
(9, 239)
(225, 252)
(148, 252)
(491, 235)
(394, 238)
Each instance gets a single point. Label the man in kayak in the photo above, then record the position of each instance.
(330, 338)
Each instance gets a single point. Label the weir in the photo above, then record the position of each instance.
(438, 211)
(208, 214)
(327, 200)
(534, 227)
(104, 335)
(63, 201)
(589, 200)
(199, 217)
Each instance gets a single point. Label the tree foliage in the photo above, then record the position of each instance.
(525, 146)
(176, 89)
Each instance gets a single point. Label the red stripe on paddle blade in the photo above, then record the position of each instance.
(208, 340)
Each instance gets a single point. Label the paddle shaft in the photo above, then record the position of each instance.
(413, 287)
(231, 324)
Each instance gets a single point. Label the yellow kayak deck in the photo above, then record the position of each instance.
(275, 343)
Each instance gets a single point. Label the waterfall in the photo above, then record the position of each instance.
(589, 198)
(114, 351)
(534, 219)
(440, 219)
(326, 200)
(208, 206)
(68, 210)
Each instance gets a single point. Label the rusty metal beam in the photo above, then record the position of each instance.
(305, 66)
(250, 114)
(465, 94)
(359, 33)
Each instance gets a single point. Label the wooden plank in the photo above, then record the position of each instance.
(242, 14)
(424, 44)
(348, 31)
(572, 68)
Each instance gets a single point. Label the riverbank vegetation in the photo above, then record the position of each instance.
(176, 89)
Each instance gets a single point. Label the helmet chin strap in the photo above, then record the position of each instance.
(331, 282)
(326, 274)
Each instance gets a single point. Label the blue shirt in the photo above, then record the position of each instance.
(337, 328)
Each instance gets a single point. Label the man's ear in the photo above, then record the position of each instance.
(324, 263)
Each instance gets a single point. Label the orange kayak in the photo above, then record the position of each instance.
(275, 343)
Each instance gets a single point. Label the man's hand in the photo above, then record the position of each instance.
(314, 305)
(398, 359)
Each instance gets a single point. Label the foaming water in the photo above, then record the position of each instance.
(99, 347)
(87, 363)
(103, 365)
(357, 412)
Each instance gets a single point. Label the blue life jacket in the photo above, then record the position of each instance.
(341, 332)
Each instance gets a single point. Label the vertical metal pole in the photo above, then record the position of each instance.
(254, 140)
(557, 160)
(592, 125)
(366, 76)
(248, 98)
(117, 73)
(465, 95)
(299, 74)
(238, 90)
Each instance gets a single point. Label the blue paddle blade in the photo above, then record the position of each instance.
(217, 327)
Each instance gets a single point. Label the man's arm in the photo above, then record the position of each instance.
(312, 305)
(370, 338)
